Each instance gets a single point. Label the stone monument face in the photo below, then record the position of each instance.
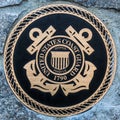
(59, 60)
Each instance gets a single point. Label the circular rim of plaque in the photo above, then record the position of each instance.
(62, 9)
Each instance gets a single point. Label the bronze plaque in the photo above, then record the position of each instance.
(59, 60)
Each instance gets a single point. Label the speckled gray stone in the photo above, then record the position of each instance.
(6, 21)
(4, 3)
(114, 4)
(107, 109)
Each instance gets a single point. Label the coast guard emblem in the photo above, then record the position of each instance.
(59, 60)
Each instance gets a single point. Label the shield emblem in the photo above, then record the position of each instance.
(60, 60)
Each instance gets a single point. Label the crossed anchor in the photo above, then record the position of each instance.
(39, 82)
(42, 38)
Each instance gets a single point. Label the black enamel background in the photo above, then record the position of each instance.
(60, 22)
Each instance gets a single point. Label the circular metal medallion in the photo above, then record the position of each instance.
(59, 60)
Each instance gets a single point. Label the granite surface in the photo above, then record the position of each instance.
(108, 108)
(108, 4)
